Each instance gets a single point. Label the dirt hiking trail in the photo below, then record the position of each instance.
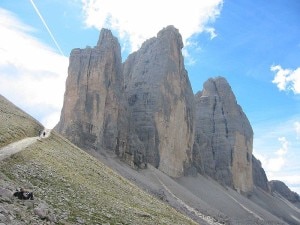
(18, 146)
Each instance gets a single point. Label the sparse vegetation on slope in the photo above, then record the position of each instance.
(81, 190)
(15, 124)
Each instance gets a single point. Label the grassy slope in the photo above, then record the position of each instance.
(79, 186)
(15, 124)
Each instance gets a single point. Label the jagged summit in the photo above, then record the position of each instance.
(170, 32)
(106, 38)
(144, 111)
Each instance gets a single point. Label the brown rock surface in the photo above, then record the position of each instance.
(92, 112)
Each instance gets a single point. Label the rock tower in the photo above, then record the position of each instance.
(224, 136)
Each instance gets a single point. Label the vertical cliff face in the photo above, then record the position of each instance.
(259, 176)
(223, 136)
(93, 104)
(145, 111)
(160, 102)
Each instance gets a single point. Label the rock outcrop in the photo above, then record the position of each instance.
(284, 191)
(160, 102)
(259, 176)
(223, 136)
(92, 115)
(144, 111)
(158, 128)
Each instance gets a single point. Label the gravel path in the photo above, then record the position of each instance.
(17, 146)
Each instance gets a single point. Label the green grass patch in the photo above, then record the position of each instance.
(79, 187)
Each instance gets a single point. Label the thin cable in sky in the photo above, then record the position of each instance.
(42, 19)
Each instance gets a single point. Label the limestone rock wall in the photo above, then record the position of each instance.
(259, 176)
(223, 136)
(145, 111)
(94, 103)
(160, 101)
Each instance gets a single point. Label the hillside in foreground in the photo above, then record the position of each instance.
(78, 189)
(73, 187)
(15, 123)
(69, 185)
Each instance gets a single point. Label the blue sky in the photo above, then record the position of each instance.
(254, 44)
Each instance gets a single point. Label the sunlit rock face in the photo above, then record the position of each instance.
(92, 114)
(160, 101)
(224, 137)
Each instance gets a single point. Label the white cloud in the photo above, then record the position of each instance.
(279, 156)
(211, 31)
(276, 161)
(32, 75)
(136, 21)
(284, 147)
(297, 129)
(286, 79)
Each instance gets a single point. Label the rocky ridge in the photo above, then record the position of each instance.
(279, 187)
(145, 112)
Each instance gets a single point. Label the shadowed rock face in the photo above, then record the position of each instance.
(93, 104)
(259, 176)
(283, 190)
(223, 136)
(160, 101)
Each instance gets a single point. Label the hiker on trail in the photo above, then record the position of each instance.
(23, 194)
(44, 133)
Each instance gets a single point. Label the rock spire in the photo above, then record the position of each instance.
(145, 111)
(93, 104)
(160, 101)
(224, 136)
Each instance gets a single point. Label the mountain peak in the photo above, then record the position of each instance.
(224, 136)
(106, 37)
(171, 33)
